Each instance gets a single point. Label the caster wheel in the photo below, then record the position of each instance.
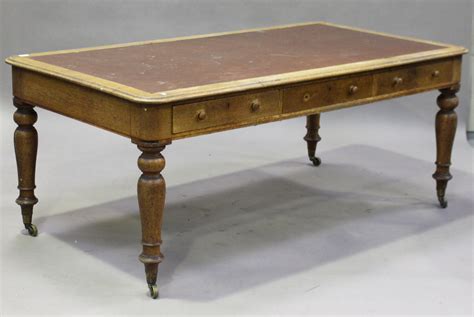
(443, 202)
(316, 160)
(32, 230)
(153, 291)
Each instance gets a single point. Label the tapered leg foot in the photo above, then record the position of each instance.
(151, 198)
(153, 291)
(441, 184)
(26, 147)
(442, 202)
(312, 137)
(446, 121)
(32, 230)
(315, 160)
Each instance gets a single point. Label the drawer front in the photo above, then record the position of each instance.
(412, 77)
(327, 93)
(214, 113)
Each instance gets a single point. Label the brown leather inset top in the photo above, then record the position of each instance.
(159, 67)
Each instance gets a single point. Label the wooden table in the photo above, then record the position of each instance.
(160, 91)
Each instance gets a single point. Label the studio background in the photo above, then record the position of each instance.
(42, 25)
(248, 222)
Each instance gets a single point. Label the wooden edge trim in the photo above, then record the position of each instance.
(97, 83)
(401, 37)
(136, 95)
(172, 39)
(198, 36)
(299, 76)
(139, 96)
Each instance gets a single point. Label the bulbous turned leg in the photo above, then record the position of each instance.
(312, 137)
(151, 198)
(446, 121)
(26, 147)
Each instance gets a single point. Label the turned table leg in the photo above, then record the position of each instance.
(446, 121)
(151, 199)
(312, 137)
(26, 146)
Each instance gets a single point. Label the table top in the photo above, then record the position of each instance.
(176, 69)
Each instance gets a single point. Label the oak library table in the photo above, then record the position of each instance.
(156, 92)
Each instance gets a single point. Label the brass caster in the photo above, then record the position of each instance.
(443, 202)
(316, 160)
(32, 229)
(153, 290)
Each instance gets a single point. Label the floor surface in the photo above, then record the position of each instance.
(250, 226)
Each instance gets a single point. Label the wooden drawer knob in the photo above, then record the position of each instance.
(397, 81)
(306, 97)
(201, 115)
(436, 73)
(353, 89)
(255, 106)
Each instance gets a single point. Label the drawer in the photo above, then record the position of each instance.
(327, 93)
(412, 77)
(214, 113)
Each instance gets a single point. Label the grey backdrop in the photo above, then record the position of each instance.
(38, 25)
(362, 234)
